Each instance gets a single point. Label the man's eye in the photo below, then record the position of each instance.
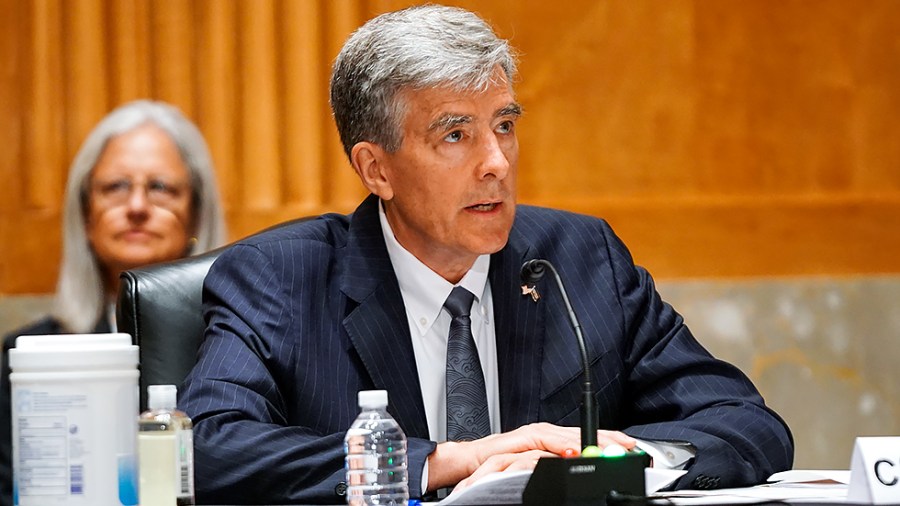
(454, 136)
(505, 127)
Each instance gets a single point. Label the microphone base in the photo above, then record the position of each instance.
(585, 481)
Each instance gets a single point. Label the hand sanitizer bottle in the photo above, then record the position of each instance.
(166, 451)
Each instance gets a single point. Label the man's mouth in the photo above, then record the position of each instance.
(484, 207)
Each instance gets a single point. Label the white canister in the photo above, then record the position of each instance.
(74, 406)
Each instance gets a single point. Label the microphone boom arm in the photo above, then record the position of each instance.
(589, 422)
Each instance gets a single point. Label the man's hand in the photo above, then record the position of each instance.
(504, 462)
(463, 463)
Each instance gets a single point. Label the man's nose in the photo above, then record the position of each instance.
(495, 161)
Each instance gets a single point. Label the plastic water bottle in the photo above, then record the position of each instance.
(166, 450)
(375, 449)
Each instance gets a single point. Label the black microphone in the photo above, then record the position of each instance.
(532, 272)
(580, 481)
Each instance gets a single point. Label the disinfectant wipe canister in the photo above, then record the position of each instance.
(74, 405)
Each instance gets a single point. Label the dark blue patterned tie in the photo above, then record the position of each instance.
(467, 411)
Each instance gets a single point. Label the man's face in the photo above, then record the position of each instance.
(450, 189)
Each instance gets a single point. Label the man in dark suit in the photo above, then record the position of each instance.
(302, 318)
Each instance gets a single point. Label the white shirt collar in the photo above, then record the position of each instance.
(424, 291)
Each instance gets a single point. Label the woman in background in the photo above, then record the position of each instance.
(140, 190)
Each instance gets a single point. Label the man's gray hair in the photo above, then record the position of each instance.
(414, 48)
(80, 297)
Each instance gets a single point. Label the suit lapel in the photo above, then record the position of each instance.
(379, 332)
(519, 325)
(377, 327)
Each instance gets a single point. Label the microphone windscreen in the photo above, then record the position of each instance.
(532, 272)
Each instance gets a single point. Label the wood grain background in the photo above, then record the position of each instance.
(721, 138)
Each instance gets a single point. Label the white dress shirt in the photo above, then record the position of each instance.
(424, 293)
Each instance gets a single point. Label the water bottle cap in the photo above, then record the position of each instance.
(161, 396)
(373, 399)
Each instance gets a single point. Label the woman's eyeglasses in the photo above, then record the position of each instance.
(158, 192)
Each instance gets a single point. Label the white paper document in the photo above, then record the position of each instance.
(795, 486)
(498, 488)
(810, 477)
(506, 487)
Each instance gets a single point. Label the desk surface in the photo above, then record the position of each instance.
(825, 495)
(796, 490)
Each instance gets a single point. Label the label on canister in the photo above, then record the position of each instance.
(74, 403)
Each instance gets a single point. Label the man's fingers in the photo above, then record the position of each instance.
(548, 437)
(545, 436)
(608, 437)
(504, 462)
(518, 449)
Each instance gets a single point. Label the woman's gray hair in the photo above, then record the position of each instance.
(414, 48)
(80, 297)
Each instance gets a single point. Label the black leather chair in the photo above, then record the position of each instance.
(160, 306)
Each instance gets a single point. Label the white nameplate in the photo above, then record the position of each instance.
(875, 471)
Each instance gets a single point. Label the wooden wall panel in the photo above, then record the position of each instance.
(12, 37)
(173, 45)
(720, 138)
(344, 188)
(84, 43)
(29, 225)
(218, 84)
(306, 117)
(44, 122)
(261, 176)
(130, 59)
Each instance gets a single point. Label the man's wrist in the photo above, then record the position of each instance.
(447, 465)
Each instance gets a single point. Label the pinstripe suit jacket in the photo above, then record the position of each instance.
(301, 318)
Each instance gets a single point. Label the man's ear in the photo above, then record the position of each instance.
(370, 162)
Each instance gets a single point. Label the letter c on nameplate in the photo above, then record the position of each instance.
(882, 479)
